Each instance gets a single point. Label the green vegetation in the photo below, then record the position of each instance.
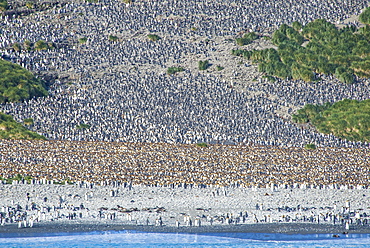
(51, 45)
(28, 121)
(18, 84)
(83, 126)
(242, 53)
(10, 129)
(344, 52)
(310, 146)
(349, 119)
(219, 68)
(92, 1)
(127, 1)
(29, 46)
(68, 181)
(30, 5)
(112, 38)
(246, 39)
(297, 26)
(203, 144)
(41, 45)
(17, 47)
(3, 5)
(309, 113)
(269, 78)
(153, 37)
(18, 177)
(173, 70)
(203, 65)
(365, 17)
(82, 40)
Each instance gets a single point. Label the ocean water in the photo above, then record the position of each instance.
(142, 239)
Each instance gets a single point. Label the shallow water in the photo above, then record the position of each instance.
(142, 239)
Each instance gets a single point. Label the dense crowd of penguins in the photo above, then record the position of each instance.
(173, 165)
(123, 93)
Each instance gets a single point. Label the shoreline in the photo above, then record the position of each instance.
(28, 210)
(61, 229)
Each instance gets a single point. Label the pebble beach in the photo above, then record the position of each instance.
(78, 208)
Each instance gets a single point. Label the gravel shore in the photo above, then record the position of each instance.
(37, 209)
